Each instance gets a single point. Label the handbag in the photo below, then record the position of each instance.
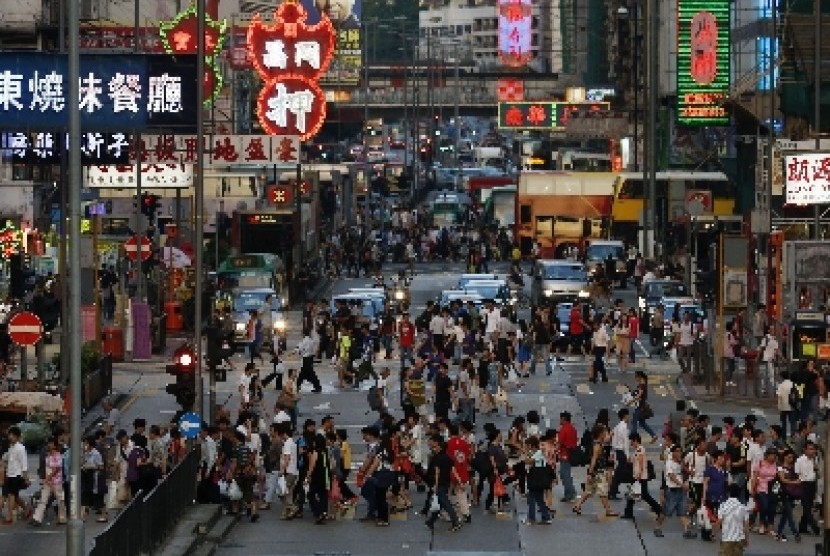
(645, 411)
(112, 496)
(282, 486)
(501, 395)
(539, 478)
(499, 489)
(334, 492)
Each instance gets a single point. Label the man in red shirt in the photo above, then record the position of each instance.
(575, 329)
(634, 332)
(567, 442)
(461, 454)
(406, 339)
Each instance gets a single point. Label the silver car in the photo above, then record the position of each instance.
(555, 279)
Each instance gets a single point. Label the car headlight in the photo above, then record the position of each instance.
(279, 324)
(399, 295)
(548, 293)
(240, 326)
(584, 293)
(642, 302)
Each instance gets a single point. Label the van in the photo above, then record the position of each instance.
(598, 252)
(556, 279)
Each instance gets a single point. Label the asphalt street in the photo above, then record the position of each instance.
(567, 389)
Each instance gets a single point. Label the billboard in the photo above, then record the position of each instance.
(515, 32)
(703, 64)
(543, 115)
(117, 92)
(807, 178)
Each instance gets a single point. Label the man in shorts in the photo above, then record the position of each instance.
(676, 491)
(17, 474)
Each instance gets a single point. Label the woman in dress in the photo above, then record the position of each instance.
(622, 339)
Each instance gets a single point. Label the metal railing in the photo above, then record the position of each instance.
(148, 520)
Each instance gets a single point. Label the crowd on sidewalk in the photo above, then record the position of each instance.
(115, 466)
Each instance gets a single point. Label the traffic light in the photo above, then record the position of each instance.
(150, 206)
(184, 369)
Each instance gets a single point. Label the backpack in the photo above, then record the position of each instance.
(796, 395)
(374, 399)
(481, 461)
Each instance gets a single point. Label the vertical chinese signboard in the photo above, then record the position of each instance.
(290, 57)
(703, 65)
(515, 32)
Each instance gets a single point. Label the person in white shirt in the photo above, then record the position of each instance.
(806, 467)
(685, 340)
(244, 385)
(288, 471)
(733, 521)
(17, 474)
(769, 354)
(621, 446)
(600, 340)
(786, 413)
(306, 349)
(755, 449)
(695, 464)
(437, 325)
(675, 503)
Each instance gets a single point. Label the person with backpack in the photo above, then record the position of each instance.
(787, 413)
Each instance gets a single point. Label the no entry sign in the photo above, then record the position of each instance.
(131, 246)
(25, 329)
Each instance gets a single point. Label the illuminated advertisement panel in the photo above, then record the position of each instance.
(515, 32)
(543, 115)
(808, 178)
(703, 67)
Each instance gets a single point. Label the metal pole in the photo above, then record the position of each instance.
(649, 204)
(139, 279)
(199, 202)
(636, 71)
(367, 185)
(457, 114)
(816, 105)
(75, 527)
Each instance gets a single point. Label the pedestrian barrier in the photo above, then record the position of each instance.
(147, 520)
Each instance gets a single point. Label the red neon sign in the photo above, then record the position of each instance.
(290, 57)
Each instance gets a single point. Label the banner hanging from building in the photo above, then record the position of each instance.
(703, 62)
(515, 32)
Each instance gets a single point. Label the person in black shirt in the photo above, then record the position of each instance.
(736, 463)
(541, 345)
(441, 472)
(805, 378)
(444, 391)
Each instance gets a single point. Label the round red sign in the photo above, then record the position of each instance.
(25, 329)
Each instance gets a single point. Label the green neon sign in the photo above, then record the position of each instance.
(703, 62)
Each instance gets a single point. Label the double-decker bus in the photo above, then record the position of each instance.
(674, 188)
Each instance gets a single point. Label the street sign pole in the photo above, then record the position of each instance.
(199, 201)
(75, 527)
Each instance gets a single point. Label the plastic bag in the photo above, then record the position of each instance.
(434, 505)
(282, 487)
(223, 487)
(234, 492)
(635, 490)
(112, 496)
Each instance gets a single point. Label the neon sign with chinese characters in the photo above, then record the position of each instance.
(543, 115)
(180, 36)
(515, 32)
(703, 66)
(290, 57)
(116, 92)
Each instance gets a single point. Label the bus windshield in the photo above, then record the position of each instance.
(602, 251)
(253, 300)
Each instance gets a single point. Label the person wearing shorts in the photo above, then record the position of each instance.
(676, 491)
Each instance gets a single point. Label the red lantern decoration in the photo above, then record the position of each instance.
(290, 57)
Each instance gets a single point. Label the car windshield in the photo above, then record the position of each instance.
(253, 301)
(600, 252)
(666, 289)
(696, 311)
(564, 272)
(487, 291)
